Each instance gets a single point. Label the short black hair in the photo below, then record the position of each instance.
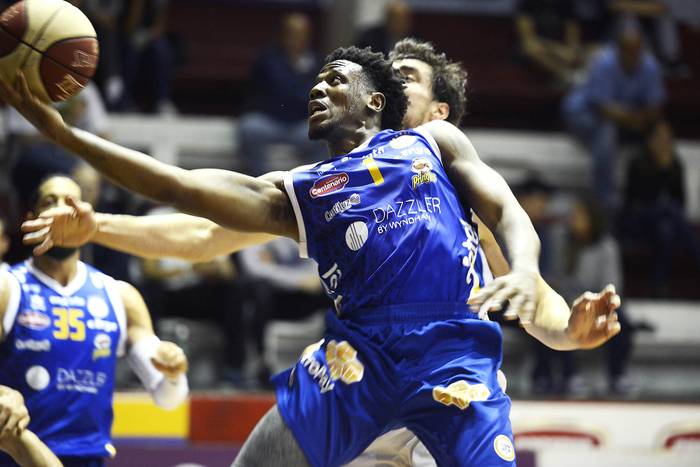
(449, 78)
(34, 195)
(381, 77)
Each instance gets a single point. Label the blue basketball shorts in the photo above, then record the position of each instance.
(393, 368)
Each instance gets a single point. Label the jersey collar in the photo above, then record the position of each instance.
(71, 288)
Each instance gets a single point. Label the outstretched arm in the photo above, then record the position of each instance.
(181, 236)
(231, 199)
(487, 193)
(29, 451)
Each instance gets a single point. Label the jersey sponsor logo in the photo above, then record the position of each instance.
(330, 281)
(423, 169)
(80, 380)
(356, 235)
(43, 345)
(96, 280)
(103, 346)
(461, 394)
(37, 377)
(31, 288)
(33, 319)
(66, 302)
(102, 325)
(504, 448)
(327, 185)
(416, 151)
(402, 213)
(323, 168)
(97, 307)
(37, 302)
(342, 206)
(341, 364)
(402, 141)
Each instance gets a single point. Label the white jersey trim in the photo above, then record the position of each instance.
(8, 319)
(69, 289)
(115, 298)
(433, 144)
(289, 186)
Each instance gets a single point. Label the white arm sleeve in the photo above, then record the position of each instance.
(166, 393)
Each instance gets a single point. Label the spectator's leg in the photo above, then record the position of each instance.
(619, 349)
(256, 131)
(542, 371)
(160, 63)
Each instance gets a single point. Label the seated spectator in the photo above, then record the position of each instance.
(398, 24)
(147, 55)
(654, 202)
(623, 91)
(281, 79)
(4, 244)
(287, 287)
(550, 37)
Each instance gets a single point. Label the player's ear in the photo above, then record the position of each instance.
(440, 111)
(377, 101)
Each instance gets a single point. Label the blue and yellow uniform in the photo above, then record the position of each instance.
(399, 256)
(60, 351)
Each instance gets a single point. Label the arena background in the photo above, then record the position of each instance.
(634, 403)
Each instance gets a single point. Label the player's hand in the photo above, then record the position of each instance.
(68, 226)
(593, 319)
(170, 360)
(44, 117)
(14, 416)
(517, 287)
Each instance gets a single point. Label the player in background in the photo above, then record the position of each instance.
(355, 98)
(64, 324)
(21, 444)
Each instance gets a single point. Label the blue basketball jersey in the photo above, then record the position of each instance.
(60, 350)
(386, 226)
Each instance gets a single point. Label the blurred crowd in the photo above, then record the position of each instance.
(611, 61)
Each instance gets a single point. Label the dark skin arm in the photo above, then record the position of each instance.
(231, 199)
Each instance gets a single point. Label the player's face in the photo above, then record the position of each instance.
(335, 99)
(419, 90)
(54, 192)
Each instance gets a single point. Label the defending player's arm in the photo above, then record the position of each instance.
(28, 450)
(177, 235)
(161, 366)
(231, 199)
(485, 190)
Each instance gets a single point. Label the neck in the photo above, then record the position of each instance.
(343, 144)
(61, 271)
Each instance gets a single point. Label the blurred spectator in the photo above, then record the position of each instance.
(4, 244)
(624, 90)
(550, 37)
(288, 287)
(282, 77)
(586, 257)
(198, 291)
(32, 157)
(654, 202)
(147, 54)
(398, 24)
(104, 15)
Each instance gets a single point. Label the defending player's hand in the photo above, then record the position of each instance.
(14, 416)
(44, 117)
(593, 319)
(170, 360)
(69, 226)
(517, 287)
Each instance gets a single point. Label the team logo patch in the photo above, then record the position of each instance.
(103, 346)
(37, 377)
(402, 141)
(423, 169)
(33, 319)
(356, 235)
(97, 307)
(504, 448)
(342, 206)
(327, 185)
(343, 363)
(461, 394)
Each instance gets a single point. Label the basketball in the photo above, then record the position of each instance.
(53, 43)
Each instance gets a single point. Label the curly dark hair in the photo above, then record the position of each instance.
(449, 78)
(380, 77)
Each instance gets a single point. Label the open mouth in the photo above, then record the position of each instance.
(316, 108)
